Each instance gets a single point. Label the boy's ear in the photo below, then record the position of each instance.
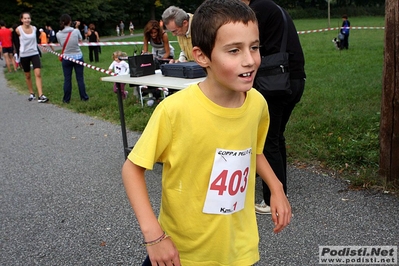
(200, 57)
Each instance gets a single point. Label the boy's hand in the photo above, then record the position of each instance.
(164, 253)
(279, 205)
(281, 212)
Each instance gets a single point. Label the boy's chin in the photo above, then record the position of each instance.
(244, 89)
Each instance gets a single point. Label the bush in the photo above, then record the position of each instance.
(336, 12)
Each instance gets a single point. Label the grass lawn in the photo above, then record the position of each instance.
(335, 126)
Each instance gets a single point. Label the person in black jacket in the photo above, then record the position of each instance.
(271, 28)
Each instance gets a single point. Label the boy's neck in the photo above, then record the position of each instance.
(222, 96)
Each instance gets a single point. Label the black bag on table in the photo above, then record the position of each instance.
(190, 70)
(141, 65)
(273, 76)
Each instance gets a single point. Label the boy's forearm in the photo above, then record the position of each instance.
(136, 190)
(280, 207)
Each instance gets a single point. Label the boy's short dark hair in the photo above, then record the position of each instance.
(211, 15)
(345, 16)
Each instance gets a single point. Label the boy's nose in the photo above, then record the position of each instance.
(249, 58)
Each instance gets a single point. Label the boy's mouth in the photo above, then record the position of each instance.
(248, 74)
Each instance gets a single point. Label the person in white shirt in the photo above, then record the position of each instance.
(29, 54)
(119, 67)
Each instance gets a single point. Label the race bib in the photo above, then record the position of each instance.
(228, 182)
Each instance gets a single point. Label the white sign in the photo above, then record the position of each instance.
(228, 182)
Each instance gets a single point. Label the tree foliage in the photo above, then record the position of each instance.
(102, 13)
(106, 14)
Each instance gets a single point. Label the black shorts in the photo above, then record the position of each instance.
(8, 50)
(25, 62)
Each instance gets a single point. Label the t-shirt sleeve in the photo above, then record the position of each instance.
(78, 33)
(126, 67)
(154, 141)
(263, 128)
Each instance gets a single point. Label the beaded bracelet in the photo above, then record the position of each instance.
(156, 241)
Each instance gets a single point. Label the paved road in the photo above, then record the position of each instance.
(62, 201)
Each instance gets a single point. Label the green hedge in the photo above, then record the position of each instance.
(336, 12)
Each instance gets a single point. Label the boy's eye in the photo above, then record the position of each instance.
(234, 51)
(255, 48)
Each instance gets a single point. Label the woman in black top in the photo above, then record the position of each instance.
(93, 36)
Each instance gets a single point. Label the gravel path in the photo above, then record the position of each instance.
(63, 203)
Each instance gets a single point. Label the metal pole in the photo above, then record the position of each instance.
(122, 119)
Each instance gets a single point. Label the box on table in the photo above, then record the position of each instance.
(141, 65)
(189, 70)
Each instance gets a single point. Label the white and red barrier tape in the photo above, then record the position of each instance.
(99, 43)
(89, 66)
(43, 46)
(79, 62)
(140, 43)
(337, 28)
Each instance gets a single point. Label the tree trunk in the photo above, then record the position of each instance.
(152, 12)
(389, 128)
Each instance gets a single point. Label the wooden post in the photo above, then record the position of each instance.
(389, 127)
(329, 13)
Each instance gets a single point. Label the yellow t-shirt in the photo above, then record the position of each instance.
(185, 132)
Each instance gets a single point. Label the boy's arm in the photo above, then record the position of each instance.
(164, 252)
(280, 207)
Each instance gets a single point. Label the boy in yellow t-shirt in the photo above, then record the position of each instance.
(210, 139)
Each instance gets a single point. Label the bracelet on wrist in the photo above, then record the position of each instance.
(156, 241)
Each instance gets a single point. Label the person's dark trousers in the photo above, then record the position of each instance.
(345, 42)
(280, 109)
(93, 50)
(146, 262)
(67, 67)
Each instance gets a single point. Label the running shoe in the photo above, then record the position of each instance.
(42, 99)
(262, 208)
(32, 97)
